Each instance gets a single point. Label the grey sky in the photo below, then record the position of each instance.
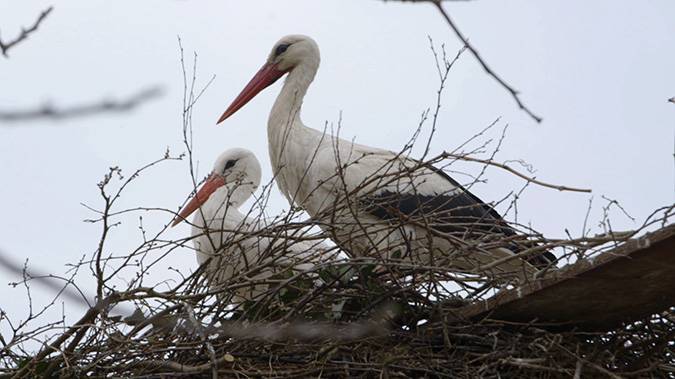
(598, 72)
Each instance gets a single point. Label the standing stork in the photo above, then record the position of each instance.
(374, 202)
(230, 241)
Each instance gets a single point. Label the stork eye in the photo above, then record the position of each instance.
(281, 49)
(230, 164)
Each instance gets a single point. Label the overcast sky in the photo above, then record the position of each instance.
(599, 73)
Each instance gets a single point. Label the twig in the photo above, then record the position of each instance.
(5, 46)
(88, 318)
(487, 69)
(513, 171)
(48, 111)
(48, 280)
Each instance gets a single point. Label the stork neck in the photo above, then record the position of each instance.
(227, 199)
(286, 110)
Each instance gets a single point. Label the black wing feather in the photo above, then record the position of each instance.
(460, 213)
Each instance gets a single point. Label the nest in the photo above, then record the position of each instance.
(344, 319)
(486, 348)
(483, 349)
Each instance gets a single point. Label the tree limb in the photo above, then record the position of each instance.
(48, 111)
(5, 46)
(514, 93)
(487, 69)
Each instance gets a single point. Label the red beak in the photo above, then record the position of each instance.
(266, 76)
(211, 185)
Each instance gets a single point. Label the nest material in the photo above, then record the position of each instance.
(439, 349)
(377, 332)
(360, 322)
(486, 349)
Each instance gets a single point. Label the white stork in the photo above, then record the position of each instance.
(228, 238)
(375, 199)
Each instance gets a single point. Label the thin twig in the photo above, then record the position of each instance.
(517, 173)
(5, 46)
(48, 111)
(487, 68)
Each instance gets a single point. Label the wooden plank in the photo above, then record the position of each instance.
(630, 282)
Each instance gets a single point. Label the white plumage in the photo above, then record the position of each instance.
(372, 201)
(231, 242)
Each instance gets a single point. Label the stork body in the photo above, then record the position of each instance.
(374, 202)
(229, 242)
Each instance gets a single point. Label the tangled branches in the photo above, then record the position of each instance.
(374, 315)
(344, 317)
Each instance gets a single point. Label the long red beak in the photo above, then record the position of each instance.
(266, 76)
(211, 185)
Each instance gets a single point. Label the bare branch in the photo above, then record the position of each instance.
(5, 46)
(514, 93)
(49, 112)
(487, 69)
(69, 290)
(515, 172)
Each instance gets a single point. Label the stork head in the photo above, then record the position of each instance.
(290, 52)
(235, 176)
